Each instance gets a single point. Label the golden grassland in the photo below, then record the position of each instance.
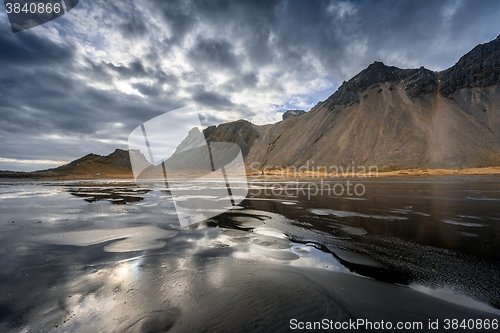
(293, 173)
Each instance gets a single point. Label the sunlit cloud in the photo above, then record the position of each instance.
(21, 161)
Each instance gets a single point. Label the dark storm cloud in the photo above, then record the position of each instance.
(210, 119)
(28, 98)
(146, 89)
(54, 102)
(134, 28)
(212, 52)
(73, 83)
(106, 71)
(282, 31)
(31, 50)
(178, 15)
(241, 82)
(134, 69)
(214, 100)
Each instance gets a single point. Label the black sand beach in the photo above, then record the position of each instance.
(408, 251)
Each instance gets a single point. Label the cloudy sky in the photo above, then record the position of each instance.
(83, 82)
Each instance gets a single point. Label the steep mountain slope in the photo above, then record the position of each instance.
(398, 118)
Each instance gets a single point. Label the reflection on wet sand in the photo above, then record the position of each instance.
(131, 268)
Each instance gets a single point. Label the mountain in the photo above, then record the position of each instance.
(192, 151)
(241, 132)
(396, 118)
(116, 165)
(292, 114)
(384, 116)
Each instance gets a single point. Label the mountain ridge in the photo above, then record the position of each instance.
(116, 164)
(385, 116)
(398, 119)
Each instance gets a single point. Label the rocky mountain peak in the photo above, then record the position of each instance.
(478, 68)
(416, 82)
(192, 140)
(292, 114)
(241, 132)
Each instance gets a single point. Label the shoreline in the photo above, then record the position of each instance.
(284, 174)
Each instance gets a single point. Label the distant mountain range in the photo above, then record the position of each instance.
(384, 116)
(116, 164)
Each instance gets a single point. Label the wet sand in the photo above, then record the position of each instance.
(74, 265)
(212, 293)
